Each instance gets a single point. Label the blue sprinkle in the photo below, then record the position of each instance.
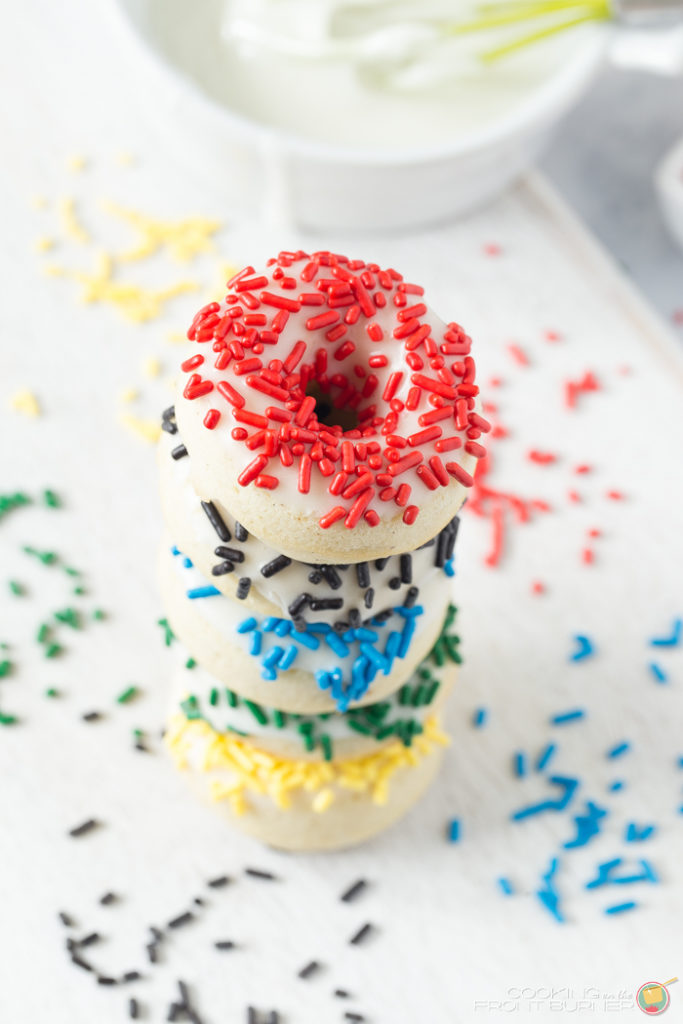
(410, 613)
(619, 749)
(449, 568)
(552, 869)
(680, 762)
(648, 874)
(273, 656)
(584, 648)
(358, 682)
(269, 623)
(306, 640)
(673, 639)
(569, 787)
(604, 873)
(639, 833)
(658, 672)
(373, 655)
(619, 908)
(283, 628)
(548, 894)
(406, 637)
(175, 550)
(506, 886)
(349, 636)
(545, 756)
(256, 642)
(479, 718)
(207, 591)
(615, 786)
(336, 644)
(368, 635)
(269, 674)
(289, 657)
(567, 716)
(323, 679)
(587, 825)
(454, 830)
(318, 627)
(391, 648)
(519, 764)
(247, 625)
(187, 562)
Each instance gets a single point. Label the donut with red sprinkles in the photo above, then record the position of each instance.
(330, 409)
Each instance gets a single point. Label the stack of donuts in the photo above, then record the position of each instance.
(324, 436)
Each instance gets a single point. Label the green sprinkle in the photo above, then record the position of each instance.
(419, 695)
(46, 557)
(43, 633)
(169, 635)
(5, 668)
(128, 695)
(386, 730)
(257, 711)
(138, 733)
(358, 727)
(98, 615)
(16, 588)
(232, 698)
(240, 732)
(12, 501)
(51, 499)
(279, 718)
(213, 697)
(404, 694)
(79, 591)
(70, 617)
(190, 663)
(70, 571)
(190, 706)
(52, 650)
(308, 741)
(305, 727)
(52, 692)
(432, 692)
(7, 719)
(326, 744)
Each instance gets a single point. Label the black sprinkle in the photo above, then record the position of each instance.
(240, 533)
(222, 569)
(394, 583)
(354, 890)
(66, 919)
(361, 934)
(232, 554)
(157, 934)
(324, 604)
(89, 940)
(168, 414)
(251, 1015)
(309, 970)
(104, 979)
(174, 1010)
(452, 535)
(350, 1015)
(84, 828)
(411, 597)
(216, 521)
(300, 624)
(363, 574)
(315, 576)
(224, 944)
(80, 962)
(341, 993)
(198, 901)
(380, 563)
(139, 745)
(92, 716)
(298, 603)
(169, 427)
(131, 976)
(108, 898)
(332, 577)
(186, 1003)
(369, 597)
(340, 627)
(168, 422)
(383, 616)
(406, 568)
(273, 1017)
(276, 565)
(133, 1009)
(179, 452)
(152, 953)
(441, 545)
(181, 920)
(243, 588)
(354, 618)
(257, 873)
(219, 882)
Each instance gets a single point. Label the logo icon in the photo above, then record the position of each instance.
(653, 997)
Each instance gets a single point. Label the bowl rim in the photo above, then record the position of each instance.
(544, 104)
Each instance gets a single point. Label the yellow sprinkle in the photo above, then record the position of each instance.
(44, 244)
(70, 223)
(151, 367)
(184, 239)
(176, 338)
(253, 770)
(77, 163)
(129, 395)
(25, 402)
(149, 430)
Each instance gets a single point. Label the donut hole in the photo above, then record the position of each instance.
(327, 412)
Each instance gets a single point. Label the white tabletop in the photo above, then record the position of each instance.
(448, 945)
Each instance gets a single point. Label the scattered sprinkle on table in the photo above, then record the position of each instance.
(84, 828)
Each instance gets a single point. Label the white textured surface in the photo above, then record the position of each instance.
(446, 938)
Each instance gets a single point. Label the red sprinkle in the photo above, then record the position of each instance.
(211, 419)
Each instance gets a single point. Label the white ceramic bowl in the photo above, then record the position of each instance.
(669, 185)
(322, 186)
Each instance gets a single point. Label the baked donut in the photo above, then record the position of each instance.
(329, 410)
(313, 670)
